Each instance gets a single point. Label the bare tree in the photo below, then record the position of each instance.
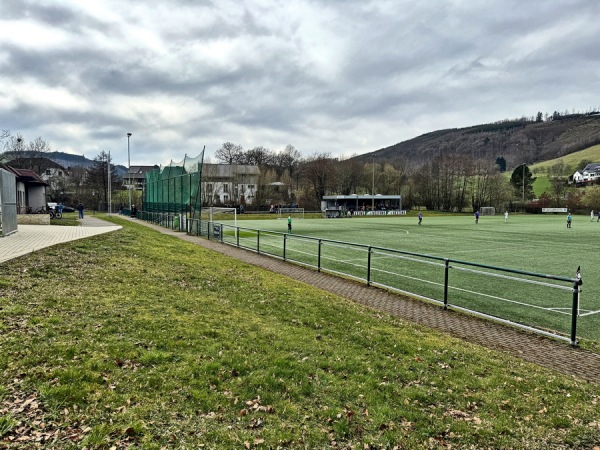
(229, 153)
(287, 161)
(350, 175)
(319, 172)
(27, 155)
(258, 156)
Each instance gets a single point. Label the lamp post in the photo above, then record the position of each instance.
(523, 185)
(109, 199)
(129, 171)
(373, 189)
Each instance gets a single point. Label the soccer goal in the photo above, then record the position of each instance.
(219, 214)
(488, 211)
(296, 213)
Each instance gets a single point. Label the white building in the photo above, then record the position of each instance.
(589, 174)
(233, 184)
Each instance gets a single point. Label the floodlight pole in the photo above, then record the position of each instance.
(523, 184)
(129, 171)
(373, 189)
(109, 208)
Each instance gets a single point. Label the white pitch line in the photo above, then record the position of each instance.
(470, 292)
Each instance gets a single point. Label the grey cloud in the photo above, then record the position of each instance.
(367, 68)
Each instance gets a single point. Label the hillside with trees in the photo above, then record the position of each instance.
(518, 141)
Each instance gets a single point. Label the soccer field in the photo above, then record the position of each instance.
(532, 243)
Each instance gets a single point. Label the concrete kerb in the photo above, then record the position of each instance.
(546, 352)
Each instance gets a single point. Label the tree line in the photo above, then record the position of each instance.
(447, 181)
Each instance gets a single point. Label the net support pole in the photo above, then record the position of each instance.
(446, 267)
(319, 257)
(369, 266)
(575, 308)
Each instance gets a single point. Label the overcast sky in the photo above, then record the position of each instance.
(338, 77)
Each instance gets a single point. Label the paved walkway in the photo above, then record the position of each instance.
(30, 238)
(538, 349)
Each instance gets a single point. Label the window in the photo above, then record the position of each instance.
(47, 171)
(209, 187)
(226, 188)
(250, 187)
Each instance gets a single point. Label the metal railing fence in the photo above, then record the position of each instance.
(529, 300)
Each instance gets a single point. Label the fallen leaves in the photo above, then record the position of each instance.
(461, 415)
(255, 405)
(30, 426)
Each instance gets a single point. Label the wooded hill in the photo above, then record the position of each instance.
(518, 141)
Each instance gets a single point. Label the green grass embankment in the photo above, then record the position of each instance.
(134, 338)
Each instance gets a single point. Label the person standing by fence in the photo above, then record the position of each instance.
(290, 224)
(80, 209)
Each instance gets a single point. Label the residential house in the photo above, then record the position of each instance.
(53, 174)
(229, 184)
(135, 177)
(589, 174)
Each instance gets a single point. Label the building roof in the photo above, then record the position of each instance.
(140, 169)
(229, 170)
(25, 175)
(361, 197)
(593, 167)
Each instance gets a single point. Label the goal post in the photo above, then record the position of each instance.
(296, 213)
(217, 214)
(488, 211)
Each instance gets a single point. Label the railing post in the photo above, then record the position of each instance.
(575, 309)
(319, 257)
(369, 267)
(446, 267)
(237, 235)
(258, 241)
(284, 245)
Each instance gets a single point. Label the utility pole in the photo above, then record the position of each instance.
(373, 189)
(129, 171)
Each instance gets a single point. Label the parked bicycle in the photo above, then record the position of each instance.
(54, 214)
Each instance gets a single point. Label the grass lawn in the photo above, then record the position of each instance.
(137, 339)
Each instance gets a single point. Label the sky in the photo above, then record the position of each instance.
(336, 77)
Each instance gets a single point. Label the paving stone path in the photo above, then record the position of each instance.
(556, 355)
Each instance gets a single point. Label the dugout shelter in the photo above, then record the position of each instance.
(342, 205)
